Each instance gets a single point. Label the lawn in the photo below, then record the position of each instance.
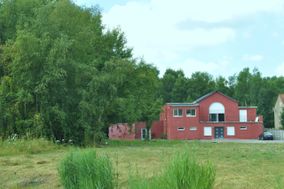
(238, 166)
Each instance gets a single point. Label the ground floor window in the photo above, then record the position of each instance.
(193, 128)
(231, 131)
(207, 131)
(243, 128)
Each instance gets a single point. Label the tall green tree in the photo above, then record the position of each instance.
(63, 76)
(200, 84)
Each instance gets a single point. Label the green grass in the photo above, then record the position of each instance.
(238, 166)
(183, 171)
(84, 169)
(23, 146)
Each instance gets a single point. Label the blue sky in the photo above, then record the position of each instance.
(220, 37)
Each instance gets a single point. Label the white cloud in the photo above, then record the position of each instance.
(216, 68)
(253, 58)
(153, 29)
(280, 70)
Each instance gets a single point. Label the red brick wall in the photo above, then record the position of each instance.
(254, 130)
(251, 113)
(157, 129)
(173, 123)
(231, 107)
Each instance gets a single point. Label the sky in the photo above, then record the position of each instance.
(220, 37)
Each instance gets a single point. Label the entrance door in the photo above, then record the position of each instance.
(219, 132)
(144, 134)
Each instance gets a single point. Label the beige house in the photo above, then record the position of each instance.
(279, 105)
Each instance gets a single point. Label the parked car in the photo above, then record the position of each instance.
(266, 136)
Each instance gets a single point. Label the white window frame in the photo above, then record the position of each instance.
(177, 109)
(243, 115)
(231, 131)
(189, 115)
(207, 131)
(243, 128)
(193, 128)
(180, 128)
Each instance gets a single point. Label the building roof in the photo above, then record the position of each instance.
(240, 107)
(183, 104)
(209, 94)
(196, 102)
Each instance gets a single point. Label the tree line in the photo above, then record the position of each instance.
(63, 75)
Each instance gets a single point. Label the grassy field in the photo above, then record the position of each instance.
(33, 164)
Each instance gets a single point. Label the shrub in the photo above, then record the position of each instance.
(183, 172)
(83, 169)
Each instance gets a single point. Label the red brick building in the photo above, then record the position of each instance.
(212, 116)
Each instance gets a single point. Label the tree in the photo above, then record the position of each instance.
(200, 84)
(53, 70)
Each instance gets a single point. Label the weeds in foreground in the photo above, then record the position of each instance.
(84, 169)
(183, 172)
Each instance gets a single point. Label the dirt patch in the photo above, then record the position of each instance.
(7, 162)
(32, 182)
(42, 162)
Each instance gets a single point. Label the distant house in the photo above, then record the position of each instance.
(279, 105)
(212, 116)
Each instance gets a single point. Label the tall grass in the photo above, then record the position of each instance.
(183, 172)
(83, 169)
(26, 146)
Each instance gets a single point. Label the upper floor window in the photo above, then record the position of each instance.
(243, 115)
(190, 112)
(216, 112)
(177, 112)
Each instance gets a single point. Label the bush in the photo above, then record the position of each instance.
(183, 172)
(83, 169)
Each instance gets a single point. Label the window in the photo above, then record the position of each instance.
(207, 131)
(193, 128)
(216, 112)
(243, 115)
(180, 129)
(243, 128)
(216, 117)
(256, 119)
(231, 131)
(177, 112)
(190, 113)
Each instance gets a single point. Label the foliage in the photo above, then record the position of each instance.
(65, 77)
(84, 169)
(282, 118)
(183, 171)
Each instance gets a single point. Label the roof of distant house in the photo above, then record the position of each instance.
(209, 94)
(196, 102)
